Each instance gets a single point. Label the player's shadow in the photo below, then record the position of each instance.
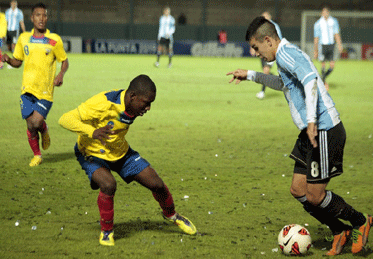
(129, 228)
(58, 157)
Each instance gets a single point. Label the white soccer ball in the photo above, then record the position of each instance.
(294, 239)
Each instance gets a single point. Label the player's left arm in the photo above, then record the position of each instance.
(339, 42)
(311, 94)
(271, 81)
(58, 81)
(337, 36)
(61, 57)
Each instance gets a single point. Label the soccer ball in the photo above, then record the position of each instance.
(294, 239)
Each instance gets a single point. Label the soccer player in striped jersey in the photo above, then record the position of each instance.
(14, 17)
(318, 151)
(326, 33)
(40, 50)
(165, 36)
(102, 123)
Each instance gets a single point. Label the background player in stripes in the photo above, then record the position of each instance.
(318, 151)
(14, 17)
(326, 33)
(39, 49)
(165, 36)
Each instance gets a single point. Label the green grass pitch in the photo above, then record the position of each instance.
(208, 139)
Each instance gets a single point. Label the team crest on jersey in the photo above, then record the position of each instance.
(47, 51)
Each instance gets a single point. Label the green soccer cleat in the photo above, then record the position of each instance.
(182, 222)
(107, 238)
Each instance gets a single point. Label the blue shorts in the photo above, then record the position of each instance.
(30, 103)
(127, 167)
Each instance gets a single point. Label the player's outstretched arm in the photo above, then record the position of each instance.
(239, 75)
(11, 61)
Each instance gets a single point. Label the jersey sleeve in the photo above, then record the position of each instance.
(20, 15)
(72, 121)
(336, 26)
(18, 50)
(296, 63)
(60, 51)
(316, 30)
(93, 108)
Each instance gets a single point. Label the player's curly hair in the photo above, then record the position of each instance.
(142, 85)
(259, 28)
(38, 5)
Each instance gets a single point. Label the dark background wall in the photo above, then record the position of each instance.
(138, 19)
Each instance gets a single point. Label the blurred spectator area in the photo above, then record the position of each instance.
(204, 17)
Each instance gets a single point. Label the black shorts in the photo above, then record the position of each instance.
(324, 162)
(165, 42)
(327, 52)
(266, 64)
(11, 37)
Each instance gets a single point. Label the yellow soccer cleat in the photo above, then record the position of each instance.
(45, 140)
(360, 235)
(183, 223)
(107, 238)
(36, 160)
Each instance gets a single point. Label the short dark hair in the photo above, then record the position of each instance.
(259, 28)
(38, 5)
(141, 85)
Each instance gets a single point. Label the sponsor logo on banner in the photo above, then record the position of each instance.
(216, 50)
(124, 46)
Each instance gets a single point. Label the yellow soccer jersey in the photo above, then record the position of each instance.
(106, 108)
(3, 25)
(39, 55)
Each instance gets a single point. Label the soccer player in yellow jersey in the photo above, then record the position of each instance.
(3, 30)
(40, 50)
(102, 123)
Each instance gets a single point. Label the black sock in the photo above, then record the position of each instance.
(263, 88)
(169, 59)
(336, 205)
(328, 72)
(334, 224)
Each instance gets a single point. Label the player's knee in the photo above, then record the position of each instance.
(108, 187)
(296, 192)
(158, 187)
(314, 199)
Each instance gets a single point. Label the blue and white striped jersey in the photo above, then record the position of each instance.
(325, 30)
(296, 70)
(13, 18)
(166, 27)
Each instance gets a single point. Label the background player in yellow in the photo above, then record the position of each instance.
(3, 29)
(40, 50)
(102, 123)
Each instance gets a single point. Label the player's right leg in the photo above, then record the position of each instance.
(159, 53)
(105, 201)
(34, 111)
(100, 177)
(150, 179)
